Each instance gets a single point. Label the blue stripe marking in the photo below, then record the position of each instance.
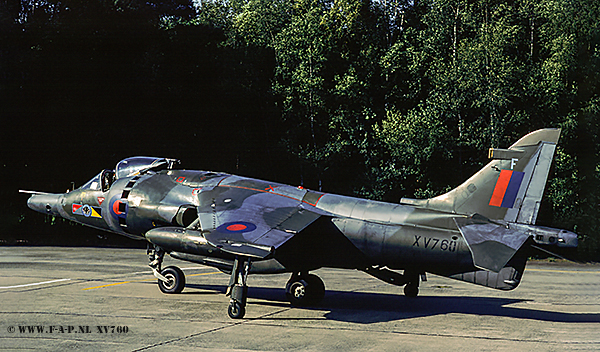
(513, 188)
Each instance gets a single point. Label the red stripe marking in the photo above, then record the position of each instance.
(317, 201)
(501, 186)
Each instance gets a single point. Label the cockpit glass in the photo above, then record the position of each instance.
(139, 164)
(127, 168)
(93, 184)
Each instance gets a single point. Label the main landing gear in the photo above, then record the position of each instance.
(304, 289)
(238, 290)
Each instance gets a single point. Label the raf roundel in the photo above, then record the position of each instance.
(237, 227)
(118, 207)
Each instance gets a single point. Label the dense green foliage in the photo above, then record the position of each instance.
(380, 99)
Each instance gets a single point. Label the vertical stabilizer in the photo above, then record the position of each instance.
(508, 188)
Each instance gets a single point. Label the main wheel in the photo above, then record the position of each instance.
(305, 290)
(296, 292)
(236, 310)
(176, 279)
(316, 288)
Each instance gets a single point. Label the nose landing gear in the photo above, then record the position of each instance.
(170, 279)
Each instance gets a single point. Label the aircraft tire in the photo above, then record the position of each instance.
(236, 310)
(316, 288)
(305, 290)
(176, 278)
(411, 290)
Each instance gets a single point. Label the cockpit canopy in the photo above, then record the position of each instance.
(126, 168)
(142, 164)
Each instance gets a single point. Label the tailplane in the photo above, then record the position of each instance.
(508, 188)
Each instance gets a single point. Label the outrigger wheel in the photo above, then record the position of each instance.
(176, 280)
(411, 289)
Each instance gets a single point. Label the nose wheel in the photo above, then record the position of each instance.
(170, 279)
(175, 280)
(305, 289)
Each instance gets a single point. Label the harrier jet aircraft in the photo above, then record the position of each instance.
(478, 232)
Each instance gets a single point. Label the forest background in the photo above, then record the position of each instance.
(378, 99)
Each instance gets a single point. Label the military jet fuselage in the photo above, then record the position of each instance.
(475, 233)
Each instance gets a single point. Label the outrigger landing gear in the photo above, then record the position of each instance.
(411, 289)
(170, 279)
(238, 290)
(410, 279)
(304, 289)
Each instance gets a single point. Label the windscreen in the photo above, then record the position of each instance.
(93, 184)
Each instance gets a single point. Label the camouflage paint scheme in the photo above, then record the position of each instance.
(478, 232)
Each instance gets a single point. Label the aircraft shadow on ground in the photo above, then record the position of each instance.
(366, 308)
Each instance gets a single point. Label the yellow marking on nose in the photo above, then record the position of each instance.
(145, 280)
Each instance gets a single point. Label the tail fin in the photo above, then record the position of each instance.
(509, 188)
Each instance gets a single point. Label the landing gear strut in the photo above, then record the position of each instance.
(170, 279)
(304, 289)
(238, 290)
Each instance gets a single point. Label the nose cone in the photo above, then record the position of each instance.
(45, 203)
(567, 239)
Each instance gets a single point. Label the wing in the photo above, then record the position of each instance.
(253, 218)
(492, 245)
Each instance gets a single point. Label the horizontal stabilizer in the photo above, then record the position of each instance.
(492, 245)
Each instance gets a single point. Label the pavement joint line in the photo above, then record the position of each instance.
(226, 326)
(433, 334)
(257, 321)
(34, 284)
(563, 271)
